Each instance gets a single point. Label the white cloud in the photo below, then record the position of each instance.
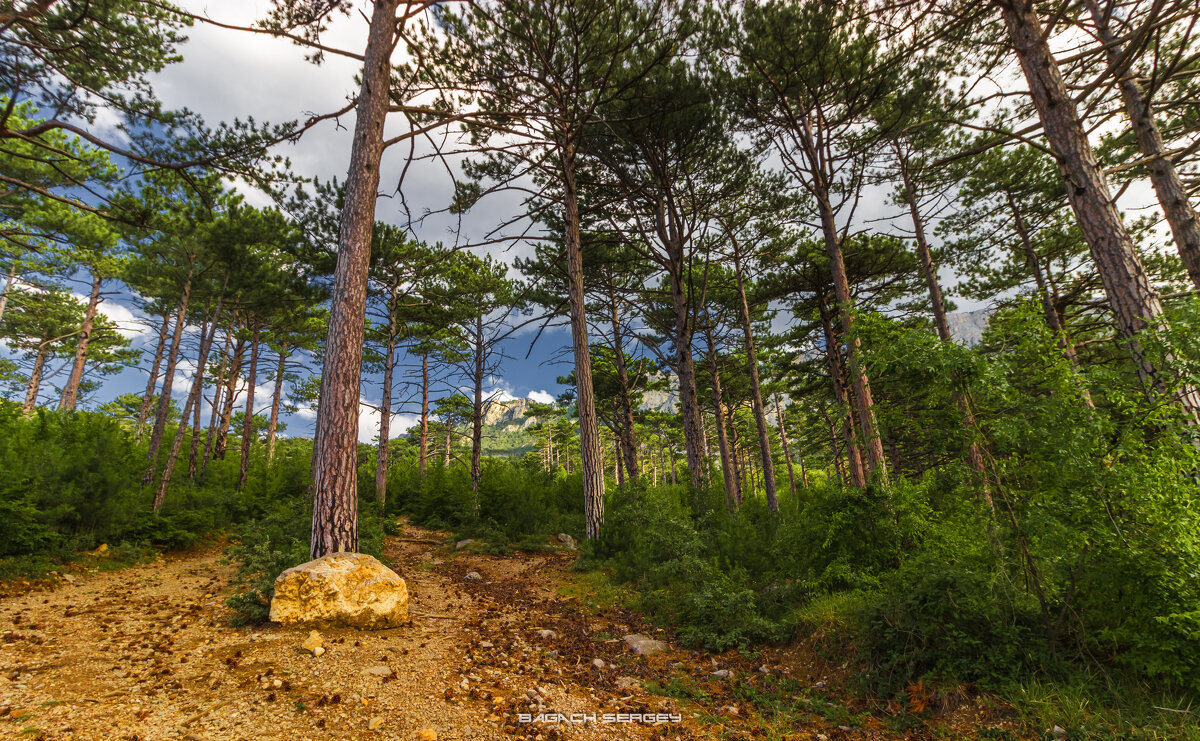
(368, 423)
(541, 397)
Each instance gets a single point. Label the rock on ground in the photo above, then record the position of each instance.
(351, 590)
(641, 645)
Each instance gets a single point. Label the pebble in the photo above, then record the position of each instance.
(598, 663)
(463, 543)
(548, 635)
(379, 671)
(723, 674)
(313, 642)
(374, 723)
(318, 651)
(628, 683)
(473, 576)
(426, 734)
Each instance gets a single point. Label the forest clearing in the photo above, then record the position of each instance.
(791, 369)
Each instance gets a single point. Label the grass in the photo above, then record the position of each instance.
(1094, 707)
(596, 591)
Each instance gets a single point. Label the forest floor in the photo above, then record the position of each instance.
(148, 652)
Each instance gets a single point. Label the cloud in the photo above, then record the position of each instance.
(541, 397)
(368, 423)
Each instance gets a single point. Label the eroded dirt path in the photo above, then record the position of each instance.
(149, 653)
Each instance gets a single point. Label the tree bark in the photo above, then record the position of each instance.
(727, 474)
(385, 404)
(231, 394)
(148, 397)
(248, 422)
(860, 385)
(8, 284)
(787, 451)
(938, 307)
(1133, 300)
(626, 442)
(756, 402)
(589, 427)
(214, 413)
(856, 474)
(424, 412)
(164, 398)
(335, 442)
(1168, 187)
(477, 412)
(193, 402)
(276, 395)
(71, 390)
(35, 381)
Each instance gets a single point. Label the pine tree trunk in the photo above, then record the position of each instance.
(855, 473)
(627, 444)
(276, 395)
(938, 307)
(8, 284)
(477, 412)
(424, 412)
(193, 402)
(35, 380)
(787, 451)
(1133, 300)
(585, 401)
(164, 398)
(446, 459)
(1168, 187)
(248, 422)
(335, 443)
(71, 390)
(148, 397)
(727, 475)
(214, 414)
(194, 440)
(385, 404)
(860, 385)
(231, 394)
(756, 402)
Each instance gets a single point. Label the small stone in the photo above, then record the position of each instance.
(730, 710)
(628, 683)
(426, 734)
(463, 543)
(68, 578)
(313, 642)
(1059, 732)
(374, 723)
(567, 540)
(598, 663)
(277, 683)
(548, 635)
(379, 671)
(318, 651)
(763, 669)
(642, 646)
(723, 674)
(485, 644)
(473, 576)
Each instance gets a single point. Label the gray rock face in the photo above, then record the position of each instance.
(643, 646)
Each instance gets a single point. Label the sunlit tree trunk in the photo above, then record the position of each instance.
(35, 380)
(855, 473)
(152, 382)
(424, 412)
(231, 394)
(71, 390)
(164, 399)
(248, 422)
(787, 451)
(276, 398)
(585, 401)
(385, 404)
(1168, 187)
(756, 402)
(8, 284)
(334, 485)
(1133, 300)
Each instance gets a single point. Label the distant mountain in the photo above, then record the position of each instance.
(967, 326)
